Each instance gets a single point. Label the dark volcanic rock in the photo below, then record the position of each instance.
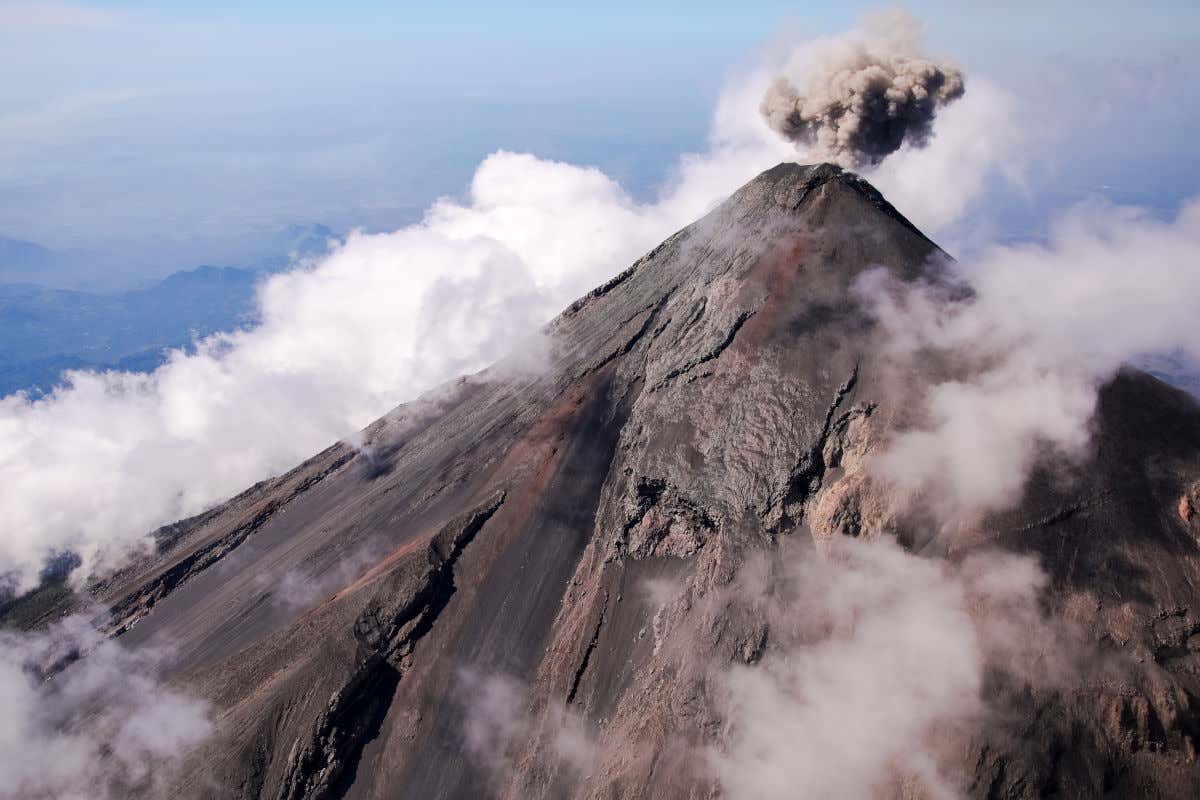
(720, 394)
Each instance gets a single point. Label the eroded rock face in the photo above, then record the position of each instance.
(581, 530)
(1189, 509)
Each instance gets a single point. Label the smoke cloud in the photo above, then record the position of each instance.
(499, 715)
(857, 99)
(97, 727)
(875, 668)
(1033, 331)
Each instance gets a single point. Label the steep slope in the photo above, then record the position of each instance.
(717, 398)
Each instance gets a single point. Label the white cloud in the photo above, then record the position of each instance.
(976, 141)
(98, 727)
(1045, 326)
(874, 670)
(98, 463)
(499, 718)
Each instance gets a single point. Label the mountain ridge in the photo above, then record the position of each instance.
(45, 330)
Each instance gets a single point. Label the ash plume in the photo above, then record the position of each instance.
(856, 100)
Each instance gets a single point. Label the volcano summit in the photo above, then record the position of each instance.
(664, 566)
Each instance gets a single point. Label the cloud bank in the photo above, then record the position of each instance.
(875, 668)
(1038, 329)
(97, 727)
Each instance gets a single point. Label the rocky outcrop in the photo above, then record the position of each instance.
(404, 608)
(214, 536)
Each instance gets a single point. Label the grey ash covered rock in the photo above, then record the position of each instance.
(717, 397)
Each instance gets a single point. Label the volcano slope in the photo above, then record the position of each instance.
(719, 398)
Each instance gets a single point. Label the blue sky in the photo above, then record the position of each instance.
(169, 134)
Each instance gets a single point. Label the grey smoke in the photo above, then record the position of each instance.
(857, 100)
(875, 670)
(86, 718)
(500, 711)
(1041, 329)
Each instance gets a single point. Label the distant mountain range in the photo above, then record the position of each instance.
(30, 262)
(44, 330)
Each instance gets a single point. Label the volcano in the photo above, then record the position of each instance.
(719, 398)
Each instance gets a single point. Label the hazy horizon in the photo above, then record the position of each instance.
(183, 135)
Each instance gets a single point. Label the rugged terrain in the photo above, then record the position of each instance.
(716, 399)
